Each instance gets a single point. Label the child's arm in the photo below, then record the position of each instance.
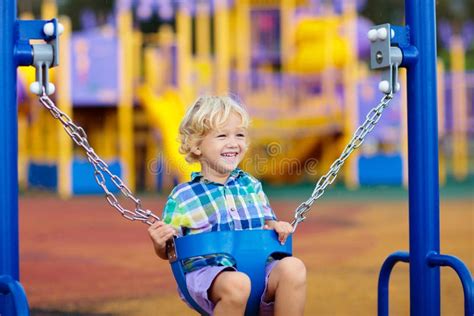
(160, 233)
(283, 229)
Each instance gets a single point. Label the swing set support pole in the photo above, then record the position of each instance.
(424, 257)
(8, 144)
(417, 41)
(9, 253)
(15, 51)
(423, 159)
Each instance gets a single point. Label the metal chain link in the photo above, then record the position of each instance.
(358, 138)
(79, 136)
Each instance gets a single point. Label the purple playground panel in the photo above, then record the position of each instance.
(470, 102)
(369, 96)
(265, 40)
(449, 114)
(94, 75)
(95, 68)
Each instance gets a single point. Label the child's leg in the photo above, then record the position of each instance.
(230, 292)
(287, 287)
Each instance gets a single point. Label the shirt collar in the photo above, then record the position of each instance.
(197, 176)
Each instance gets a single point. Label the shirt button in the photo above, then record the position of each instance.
(232, 209)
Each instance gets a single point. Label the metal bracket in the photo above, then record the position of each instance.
(385, 57)
(41, 56)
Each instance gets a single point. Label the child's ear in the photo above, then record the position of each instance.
(197, 151)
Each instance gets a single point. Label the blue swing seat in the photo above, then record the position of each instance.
(249, 248)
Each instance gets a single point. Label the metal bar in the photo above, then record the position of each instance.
(463, 274)
(384, 279)
(10, 286)
(9, 254)
(423, 159)
(8, 144)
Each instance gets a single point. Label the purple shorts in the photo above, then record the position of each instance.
(199, 282)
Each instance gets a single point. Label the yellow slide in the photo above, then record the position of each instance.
(165, 113)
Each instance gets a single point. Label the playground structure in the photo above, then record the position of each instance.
(305, 100)
(424, 244)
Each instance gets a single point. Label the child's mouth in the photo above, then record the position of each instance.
(229, 154)
(229, 157)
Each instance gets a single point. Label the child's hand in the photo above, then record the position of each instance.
(283, 229)
(159, 233)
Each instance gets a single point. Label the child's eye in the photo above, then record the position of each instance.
(220, 135)
(240, 135)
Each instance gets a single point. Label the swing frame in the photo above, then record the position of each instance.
(419, 57)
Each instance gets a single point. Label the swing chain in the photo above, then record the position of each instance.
(79, 136)
(358, 138)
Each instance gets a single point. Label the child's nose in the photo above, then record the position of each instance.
(232, 142)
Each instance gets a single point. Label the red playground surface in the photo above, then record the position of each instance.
(80, 257)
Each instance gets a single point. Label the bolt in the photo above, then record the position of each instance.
(379, 57)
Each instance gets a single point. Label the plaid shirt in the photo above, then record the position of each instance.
(201, 206)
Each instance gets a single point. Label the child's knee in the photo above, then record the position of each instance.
(293, 269)
(234, 287)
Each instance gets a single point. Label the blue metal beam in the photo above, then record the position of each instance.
(423, 159)
(8, 143)
(14, 51)
(384, 278)
(19, 303)
(463, 274)
(420, 60)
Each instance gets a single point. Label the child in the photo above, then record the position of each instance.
(223, 197)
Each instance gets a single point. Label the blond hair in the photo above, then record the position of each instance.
(206, 114)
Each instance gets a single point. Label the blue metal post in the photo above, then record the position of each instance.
(384, 278)
(9, 254)
(464, 276)
(423, 159)
(8, 143)
(12, 296)
(15, 50)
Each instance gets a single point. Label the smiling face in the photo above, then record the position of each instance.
(222, 149)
